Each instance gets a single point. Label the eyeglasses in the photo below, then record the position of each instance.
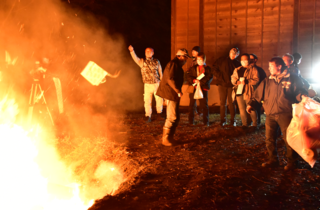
(181, 56)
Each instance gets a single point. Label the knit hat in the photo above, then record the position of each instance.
(183, 52)
(196, 48)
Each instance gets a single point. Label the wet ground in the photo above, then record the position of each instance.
(212, 168)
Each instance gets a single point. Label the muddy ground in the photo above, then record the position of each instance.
(213, 168)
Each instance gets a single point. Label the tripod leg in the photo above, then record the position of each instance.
(45, 102)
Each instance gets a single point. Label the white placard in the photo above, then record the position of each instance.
(93, 73)
(199, 78)
(240, 87)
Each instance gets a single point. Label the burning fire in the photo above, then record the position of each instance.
(22, 186)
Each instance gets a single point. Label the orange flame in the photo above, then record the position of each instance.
(21, 184)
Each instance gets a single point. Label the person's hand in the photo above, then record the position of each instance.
(130, 48)
(103, 80)
(197, 81)
(249, 109)
(304, 98)
(238, 82)
(180, 95)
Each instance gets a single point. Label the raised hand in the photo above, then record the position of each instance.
(130, 48)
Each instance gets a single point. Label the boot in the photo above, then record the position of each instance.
(165, 137)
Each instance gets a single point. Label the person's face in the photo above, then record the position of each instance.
(194, 53)
(252, 59)
(244, 61)
(200, 61)
(182, 59)
(149, 53)
(274, 69)
(287, 60)
(233, 55)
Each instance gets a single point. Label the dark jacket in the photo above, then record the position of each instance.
(294, 69)
(172, 81)
(205, 81)
(223, 69)
(262, 73)
(278, 97)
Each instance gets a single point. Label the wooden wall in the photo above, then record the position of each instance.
(265, 27)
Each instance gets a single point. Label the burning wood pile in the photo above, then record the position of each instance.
(47, 163)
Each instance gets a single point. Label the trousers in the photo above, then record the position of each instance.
(204, 106)
(150, 90)
(273, 122)
(173, 115)
(226, 93)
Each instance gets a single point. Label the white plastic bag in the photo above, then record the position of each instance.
(303, 133)
(198, 93)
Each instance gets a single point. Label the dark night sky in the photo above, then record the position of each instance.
(142, 23)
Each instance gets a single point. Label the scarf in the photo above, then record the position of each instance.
(279, 77)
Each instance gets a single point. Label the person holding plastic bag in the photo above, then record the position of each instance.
(246, 77)
(201, 85)
(278, 92)
(303, 132)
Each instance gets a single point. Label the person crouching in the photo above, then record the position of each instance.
(170, 89)
(193, 73)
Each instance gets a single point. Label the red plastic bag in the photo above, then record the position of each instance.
(303, 133)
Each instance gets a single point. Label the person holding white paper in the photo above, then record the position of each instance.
(246, 78)
(193, 76)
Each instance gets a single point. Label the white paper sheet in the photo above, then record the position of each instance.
(240, 87)
(199, 78)
(93, 73)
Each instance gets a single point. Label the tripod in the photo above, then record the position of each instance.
(35, 96)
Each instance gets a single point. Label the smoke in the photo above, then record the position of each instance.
(64, 40)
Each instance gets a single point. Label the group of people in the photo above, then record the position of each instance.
(243, 82)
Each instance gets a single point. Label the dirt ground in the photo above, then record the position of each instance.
(212, 168)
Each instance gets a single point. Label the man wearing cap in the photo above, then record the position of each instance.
(151, 72)
(222, 70)
(170, 89)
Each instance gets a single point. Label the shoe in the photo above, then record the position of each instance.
(148, 119)
(270, 164)
(290, 166)
(232, 123)
(222, 123)
(206, 124)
